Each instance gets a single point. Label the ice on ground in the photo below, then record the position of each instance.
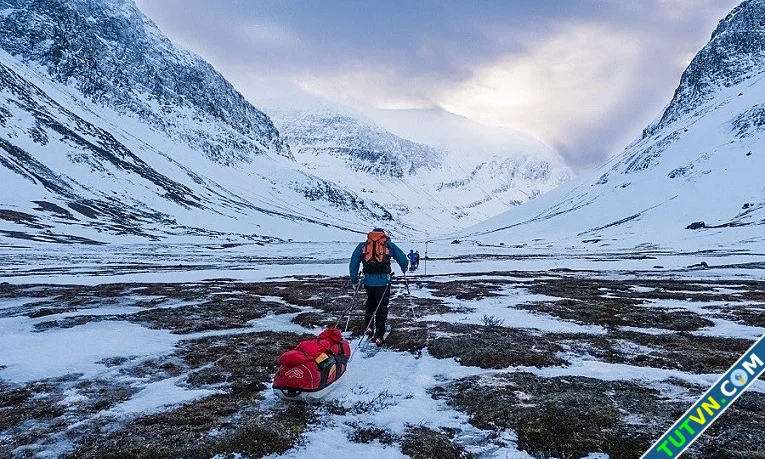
(729, 329)
(503, 310)
(647, 331)
(157, 395)
(619, 371)
(7, 303)
(54, 353)
(334, 442)
(281, 323)
(249, 262)
(389, 391)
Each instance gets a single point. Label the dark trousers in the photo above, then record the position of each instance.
(375, 296)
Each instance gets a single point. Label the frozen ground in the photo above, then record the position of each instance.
(162, 351)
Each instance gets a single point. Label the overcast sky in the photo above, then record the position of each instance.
(584, 76)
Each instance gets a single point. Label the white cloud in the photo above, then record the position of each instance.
(269, 33)
(586, 76)
(574, 78)
(369, 85)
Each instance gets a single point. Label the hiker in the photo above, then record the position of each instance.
(375, 254)
(416, 259)
(412, 260)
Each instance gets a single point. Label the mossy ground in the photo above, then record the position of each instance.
(569, 416)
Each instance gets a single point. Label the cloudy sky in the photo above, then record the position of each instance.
(584, 76)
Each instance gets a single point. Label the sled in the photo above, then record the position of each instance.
(299, 395)
(313, 368)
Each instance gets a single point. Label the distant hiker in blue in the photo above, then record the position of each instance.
(376, 255)
(412, 260)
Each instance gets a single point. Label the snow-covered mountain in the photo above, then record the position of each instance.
(693, 179)
(443, 186)
(115, 56)
(109, 130)
(360, 145)
(73, 169)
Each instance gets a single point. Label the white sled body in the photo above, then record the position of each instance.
(304, 396)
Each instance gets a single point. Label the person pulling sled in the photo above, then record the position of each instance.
(375, 254)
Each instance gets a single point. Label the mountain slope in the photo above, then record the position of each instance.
(115, 56)
(109, 130)
(67, 169)
(362, 146)
(426, 187)
(692, 180)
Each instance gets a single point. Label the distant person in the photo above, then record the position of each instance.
(375, 254)
(412, 260)
(416, 259)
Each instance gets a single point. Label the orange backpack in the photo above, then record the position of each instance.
(376, 253)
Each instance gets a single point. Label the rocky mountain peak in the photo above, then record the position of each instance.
(735, 53)
(117, 57)
(361, 145)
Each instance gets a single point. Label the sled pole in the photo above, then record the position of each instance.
(409, 297)
(374, 316)
(426, 257)
(350, 307)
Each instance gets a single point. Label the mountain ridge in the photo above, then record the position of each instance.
(728, 59)
(689, 181)
(356, 152)
(147, 74)
(120, 133)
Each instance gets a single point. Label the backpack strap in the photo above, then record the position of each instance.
(376, 247)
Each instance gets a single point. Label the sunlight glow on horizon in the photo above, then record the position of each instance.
(583, 77)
